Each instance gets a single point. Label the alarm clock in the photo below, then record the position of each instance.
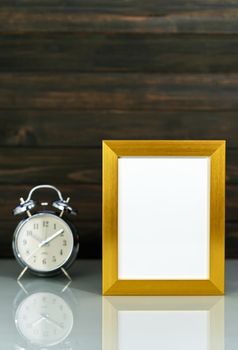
(45, 242)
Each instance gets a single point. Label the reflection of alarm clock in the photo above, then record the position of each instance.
(46, 316)
(44, 242)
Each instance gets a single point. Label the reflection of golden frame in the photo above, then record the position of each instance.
(112, 150)
(113, 305)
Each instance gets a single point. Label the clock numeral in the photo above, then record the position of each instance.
(45, 223)
(44, 261)
(62, 234)
(53, 258)
(36, 226)
(64, 242)
(54, 226)
(34, 259)
(61, 251)
(24, 242)
(29, 233)
(27, 252)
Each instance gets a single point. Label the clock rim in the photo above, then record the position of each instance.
(69, 261)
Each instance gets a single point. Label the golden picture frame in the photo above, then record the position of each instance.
(163, 217)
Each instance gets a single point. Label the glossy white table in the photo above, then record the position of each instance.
(48, 314)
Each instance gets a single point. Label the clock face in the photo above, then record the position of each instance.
(44, 319)
(44, 242)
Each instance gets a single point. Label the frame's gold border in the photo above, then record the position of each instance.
(112, 150)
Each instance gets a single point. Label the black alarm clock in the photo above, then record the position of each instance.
(45, 242)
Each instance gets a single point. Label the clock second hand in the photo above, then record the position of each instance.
(45, 242)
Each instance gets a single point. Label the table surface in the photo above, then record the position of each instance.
(50, 314)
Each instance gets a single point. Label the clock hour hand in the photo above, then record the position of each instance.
(36, 238)
(51, 238)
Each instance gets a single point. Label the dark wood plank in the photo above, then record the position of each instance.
(88, 128)
(119, 91)
(47, 165)
(90, 239)
(232, 240)
(123, 6)
(231, 202)
(232, 167)
(89, 233)
(68, 166)
(56, 20)
(64, 52)
(87, 198)
(125, 16)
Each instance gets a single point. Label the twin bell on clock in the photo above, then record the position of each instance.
(45, 242)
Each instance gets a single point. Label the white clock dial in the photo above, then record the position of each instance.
(44, 242)
(44, 319)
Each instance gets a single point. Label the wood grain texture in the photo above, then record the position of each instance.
(231, 240)
(69, 128)
(67, 52)
(125, 16)
(47, 165)
(87, 199)
(68, 165)
(127, 91)
(74, 72)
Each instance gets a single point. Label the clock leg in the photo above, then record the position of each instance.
(22, 273)
(66, 273)
(66, 286)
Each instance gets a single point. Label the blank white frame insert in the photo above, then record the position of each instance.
(163, 218)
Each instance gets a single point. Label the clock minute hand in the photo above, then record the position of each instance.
(45, 242)
(50, 238)
(49, 319)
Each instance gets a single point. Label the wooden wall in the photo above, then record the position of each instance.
(74, 72)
